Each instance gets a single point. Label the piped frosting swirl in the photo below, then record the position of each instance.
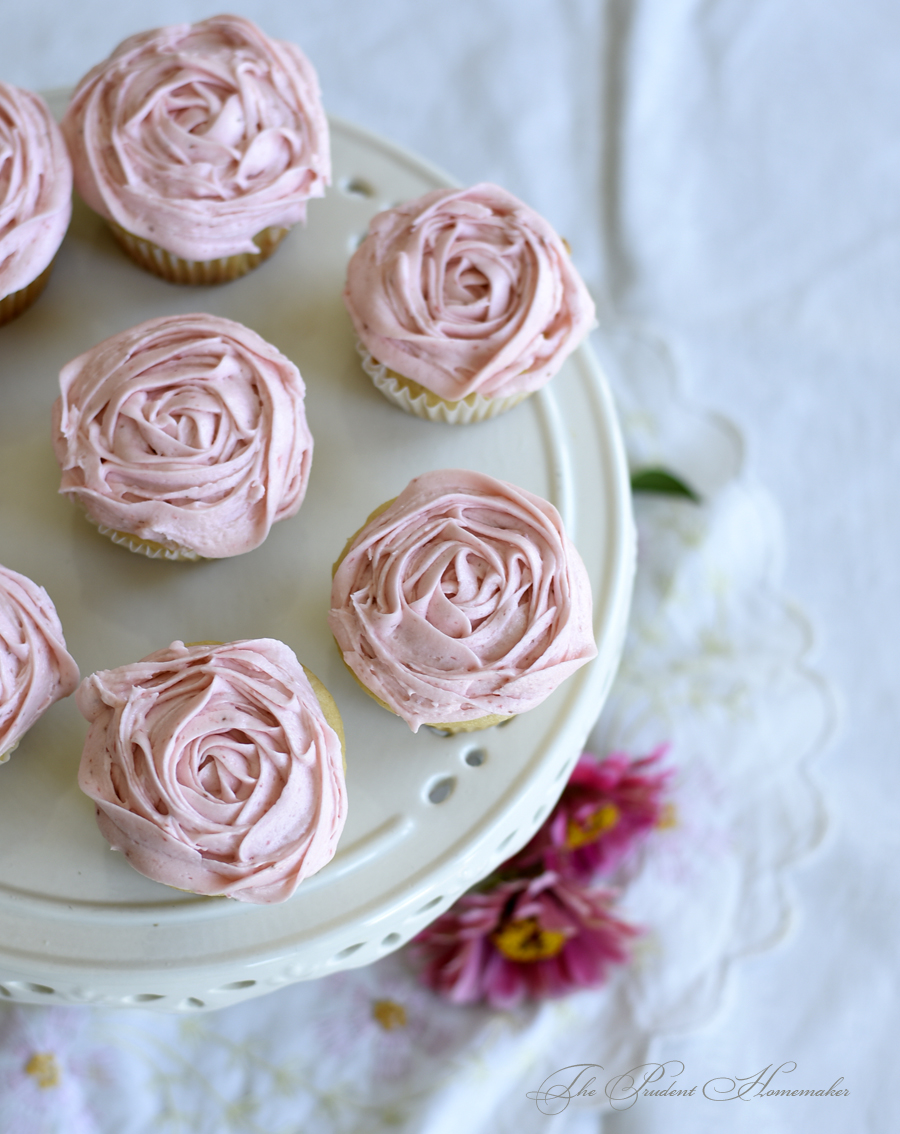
(214, 768)
(463, 599)
(467, 291)
(188, 431)
(35, 188)
(35, 667)
(197, 137)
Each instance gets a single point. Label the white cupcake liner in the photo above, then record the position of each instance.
(430, 406)
(176, 269)
(16, 302)
(150, 548)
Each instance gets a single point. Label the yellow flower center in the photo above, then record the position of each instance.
(43, 1066)
(601, 821)
(525, 940)
(389, 1014)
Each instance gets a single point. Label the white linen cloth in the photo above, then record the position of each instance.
(727, 172)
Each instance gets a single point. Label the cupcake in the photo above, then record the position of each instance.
(216, 769)
(462, 602)
(200, 144)
(183, 437)
(35, 667)
(464, 301)
(35, 197)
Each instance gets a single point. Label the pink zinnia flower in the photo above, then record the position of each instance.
(526, 938)
(606, 809)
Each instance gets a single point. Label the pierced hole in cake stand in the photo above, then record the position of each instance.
(540, 813)
(564, 771)
(357, 187)
(475, 757)
(441, 789)
(235, 985)
(509, 838)
(43, 989)
(191, 1004)
(391, 940)
(430, 905)
(146, 997)
(349, 951)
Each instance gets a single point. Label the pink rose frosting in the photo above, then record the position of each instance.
(189, 431)
(467, 291)
(199, 136)
(35, 667)
(463, 599)
(35, 188)
(214, 769)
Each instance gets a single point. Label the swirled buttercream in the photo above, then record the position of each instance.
(463, 599)
(187, 431)
(467, 291)
(35, 667)
(35, 188)
(214, 768)
(199, 136)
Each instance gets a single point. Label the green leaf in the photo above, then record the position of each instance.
(663, 482)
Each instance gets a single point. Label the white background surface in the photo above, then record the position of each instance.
(728, 173)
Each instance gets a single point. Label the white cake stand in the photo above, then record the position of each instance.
(429, 815)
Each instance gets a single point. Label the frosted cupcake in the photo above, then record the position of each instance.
(462, 602)
(200, 144)
(35, 197)
(183, 437)
(464, 301)
(216, 768)
(35, 668)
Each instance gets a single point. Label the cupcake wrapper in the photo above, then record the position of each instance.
(145, 546)
(19, 301)
(198, 272)
(4, 756)
(415, 399)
